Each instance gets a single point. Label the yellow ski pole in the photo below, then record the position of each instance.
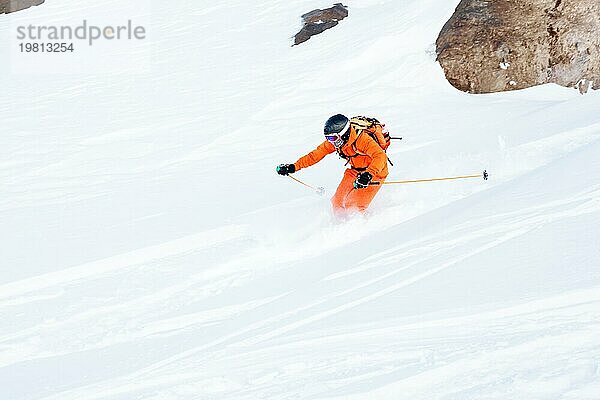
(484, 176)
(320, 191)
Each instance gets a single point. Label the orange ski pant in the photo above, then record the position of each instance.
(346, 198)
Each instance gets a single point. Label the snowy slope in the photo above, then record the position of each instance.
(150, 252)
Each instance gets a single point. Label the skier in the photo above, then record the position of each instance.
(363, 146)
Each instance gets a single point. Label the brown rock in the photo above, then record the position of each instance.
(318, 21)
(8, 6)
(498, 45)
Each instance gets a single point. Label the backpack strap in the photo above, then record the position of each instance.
(359, 153)
(360, 125)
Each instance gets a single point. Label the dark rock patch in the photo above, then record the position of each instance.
(9, 6)
(318, 21)
(498, 45)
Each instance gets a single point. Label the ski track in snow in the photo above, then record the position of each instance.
(147, 257)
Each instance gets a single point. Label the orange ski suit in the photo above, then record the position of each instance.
(363, 154)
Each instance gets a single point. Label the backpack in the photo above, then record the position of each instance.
(373, 128)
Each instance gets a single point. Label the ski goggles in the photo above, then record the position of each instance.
(336, 137)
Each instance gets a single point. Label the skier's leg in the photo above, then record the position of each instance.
(344, 188)
(359, 199)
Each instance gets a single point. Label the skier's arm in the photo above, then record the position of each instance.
(366, 145)
(315, 156)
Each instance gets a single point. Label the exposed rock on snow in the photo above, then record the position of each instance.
(318, 21)
(8, 6)
(537, 41)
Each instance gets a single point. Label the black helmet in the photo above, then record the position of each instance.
(335, 124)
(335, 129)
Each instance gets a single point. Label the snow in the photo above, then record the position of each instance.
(150, 251)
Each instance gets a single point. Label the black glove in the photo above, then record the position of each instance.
(286, 169)
(362, 180)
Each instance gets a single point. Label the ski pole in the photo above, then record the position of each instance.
(319, 190)
(485, 177)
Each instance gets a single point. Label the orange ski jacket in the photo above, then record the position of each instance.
(362, 152)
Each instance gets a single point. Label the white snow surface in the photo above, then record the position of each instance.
(149, 250)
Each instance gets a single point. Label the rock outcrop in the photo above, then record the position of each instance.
(498, 45)
(8, 6)
(318, 21)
